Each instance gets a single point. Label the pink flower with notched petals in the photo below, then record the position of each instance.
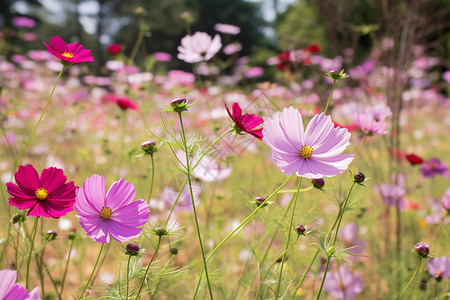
(46, 196)
(9, 290)
(198, 47)
(247, 122)
(312, 153)
(342, 284)
(439, 267)
(70, 53)
(110, 214)
(369, 125)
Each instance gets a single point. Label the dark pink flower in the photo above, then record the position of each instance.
(71, 53)
(247, 122)
(114, 49)
(24, 22)
(433, 167)
(125, 103)
(46, 196)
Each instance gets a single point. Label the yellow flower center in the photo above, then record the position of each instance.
(306, 151)
(41, 194)
(67, 54)
(106, 213)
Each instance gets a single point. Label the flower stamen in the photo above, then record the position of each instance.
(306, 151)
(106, 213)
(67, 54)
(41, 194)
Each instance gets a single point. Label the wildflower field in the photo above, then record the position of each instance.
(307, 176)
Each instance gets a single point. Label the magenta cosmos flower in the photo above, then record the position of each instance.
(311, 153)
(9, 290)
(114, 213)
(198, 47)
(71, 53)
(46, 196)
(247, 122)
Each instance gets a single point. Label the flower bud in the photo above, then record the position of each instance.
(422, 250)
(160, 231)
(50, 235)
(300, 229)
(132, 249)
(259, 200)
(359, 177)
(318, 183)
(336, 75)
(18, 218)
(174, 251)
(179, 104)
(149, 147)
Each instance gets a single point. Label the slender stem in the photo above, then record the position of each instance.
(197, 227)
(342, 213)
(66, 268)
(138, 43)
(175, 202)
(210, 146)
(304, 275)
(239, 227)
(283, 255)
(17, 246)
(324, 276)
(329, 97)
(288, 237)
(122, 144)
(92, 274)
(361, 145)
(19, 156)
(33, 233)
(128, 276)
(155, 253)
(151, 181)
(412, 278)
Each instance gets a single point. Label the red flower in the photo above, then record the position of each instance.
(125, 103)
(414, 159)
(114, 49)
(46, 196)
(71, 53)
(284, 60)
(313, 48)
(247, 122)
(350, 127)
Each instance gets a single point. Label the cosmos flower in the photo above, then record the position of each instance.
(392, 195)
(439, 267)
(347, 234)
(343, 284)
(198, 47)
(68, 53)
(46, 196)
(246, 122)
(114, 213)
(9, 290)
(162, 56)
(369, 125)
(114, 49)
(227, 28)
(124, 103)
(414, 159)
(24, 22)
(311, 153)
(445, 201)
(207, 170)
(433, 167)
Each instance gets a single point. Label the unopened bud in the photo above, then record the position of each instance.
(359, 177)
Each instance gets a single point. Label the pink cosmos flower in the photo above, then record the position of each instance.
(392, 195)
(103, 214)
(247, 122)
(369, 125)
(343, 284)
(71, 53)
(125, 103)
(254, 72)
(162, 56)
(311, 153)
(9, 290)
(433, 167)
(227, 28)
(232, 48)
(445, 201)
(24, 22)
(439, 267)
(198, 47)
(46, 196)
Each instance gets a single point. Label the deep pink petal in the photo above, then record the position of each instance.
(22, 203)
(237, 111)
(57, 210)
(58, 44)
(8, 279)
(119, 194)
(38, 210)
(65, 191)
(18, 193)
(52, 178)
(27, 178)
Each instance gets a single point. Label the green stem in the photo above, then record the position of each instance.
(175, 203)
(283, 255)
(155, 253)
(239, 227)
(197, 227)
(210, 146)
(92, 274)
(66, 268)
(412, 278)
(19, 156)
(329, 97)
(33, 232)
(324, 276)
(151, 181)
(342, 213)
(288, 237)
(304, 275)
(128, 276)
(137, 44)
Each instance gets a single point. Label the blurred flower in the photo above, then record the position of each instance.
(350, 127)
(414, 159)
(71, 53)
(198, 47)
(343, 284)
(227, 28)
(392, 195)
(313, 48)
(46, 196)
(433, 167)
(445, 201)
(284, 61)
(184, 204)
(9, 290)
(124, 103)
(311, 153)
(24, 22)
(347, 234)
(446, 76)
(207, 169)
(29, 36)
(232, 48)
(114, 213)
(114, 49)
(254, 72)
(369, 125)
(39, 55)
(162, 56)
(247, 122)
(439, 267)
(422, 250)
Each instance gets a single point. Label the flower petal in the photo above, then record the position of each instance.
(94, 191)
(27, 178)
(119, 194)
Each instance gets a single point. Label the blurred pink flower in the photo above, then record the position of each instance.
(433, 167)
(227, 28)
(39, 55)
(207, 170)
(9, 290)
(439, 267)
(198, 47)
(445, 201)
(114, 213)
(254, 72)
(369, 125)
(124, 103)
(343, 284)
(347, 234)
(312, 153)
(24, 22)
(162, 56)
(70, 53)
(46, 196)
(446, 76)
(232, 48)
(29, 36)
(392, 195)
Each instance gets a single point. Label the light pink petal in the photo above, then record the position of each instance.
(334, 144)
(94, 191)
(8, 279)
(96, 228)
(119, 194)
(292, 124)
(317, 130)
(83, 206)
(134, 214)
(123, 233)
(274, 136)
(327, 167)
(34, 294)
